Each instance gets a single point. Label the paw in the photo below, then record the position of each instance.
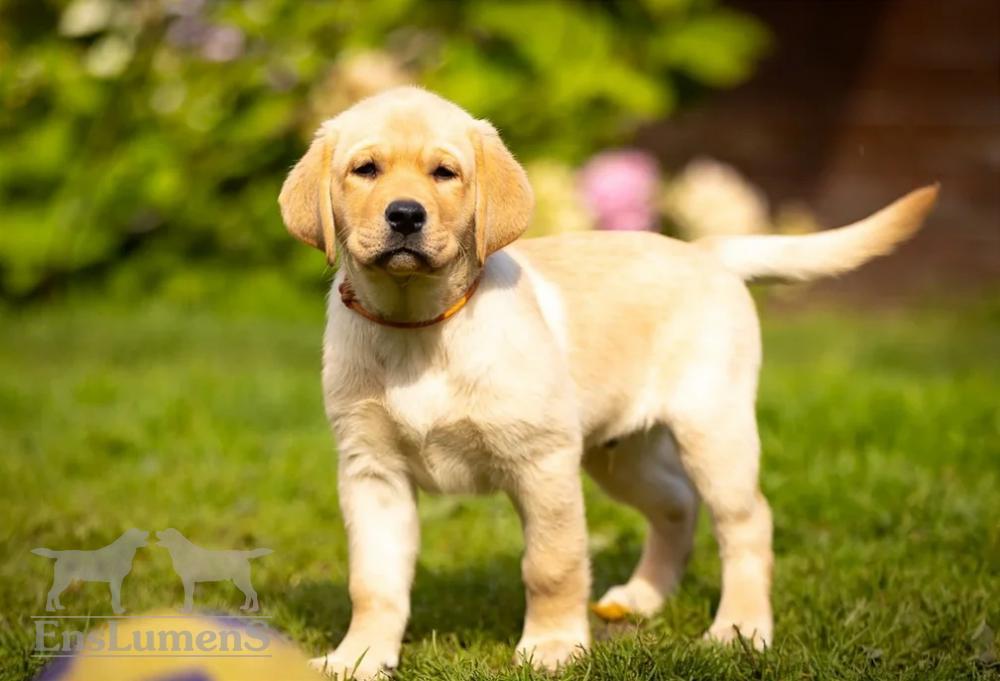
(549, 654)
(756, 632)
(118, 611)
(354, 661)
(634, 598)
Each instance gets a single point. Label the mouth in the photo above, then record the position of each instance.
(403, 260)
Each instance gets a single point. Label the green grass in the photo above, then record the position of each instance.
(881, 440)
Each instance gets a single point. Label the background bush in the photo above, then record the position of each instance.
(139, 136)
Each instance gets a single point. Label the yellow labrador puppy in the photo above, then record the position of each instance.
(454, 364)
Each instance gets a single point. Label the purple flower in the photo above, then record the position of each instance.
(222, 43)
(219, 43)
(620, 189)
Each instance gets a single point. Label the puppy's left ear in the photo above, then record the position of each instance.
(504, 200)
(306, 204)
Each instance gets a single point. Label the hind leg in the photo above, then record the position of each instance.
(720, 450)
(643, 471)
(242, 582)
(60, 580)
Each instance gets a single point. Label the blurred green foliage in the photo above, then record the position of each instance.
(158, 132)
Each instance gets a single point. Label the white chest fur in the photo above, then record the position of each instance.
(427, 399)
(442, 437)
(448, 403)
(460, 420)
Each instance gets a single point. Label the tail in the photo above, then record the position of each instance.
(45, 553)
(256, 553)
(827, 253)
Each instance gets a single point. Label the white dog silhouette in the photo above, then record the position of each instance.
(194, 564)
(109, 564)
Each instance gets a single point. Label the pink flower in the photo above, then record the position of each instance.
(620, 189)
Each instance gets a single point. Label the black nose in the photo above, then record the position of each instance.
(405, 216)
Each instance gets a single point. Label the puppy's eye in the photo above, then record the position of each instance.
(444, 173)
(368, 170)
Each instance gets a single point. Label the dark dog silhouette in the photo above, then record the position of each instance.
(194, 564)
(109, 564)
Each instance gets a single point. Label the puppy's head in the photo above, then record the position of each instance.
(407, 182)
(169, 537)
(136, 537)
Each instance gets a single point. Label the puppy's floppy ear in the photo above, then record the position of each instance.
(306, 205)
(504, 200)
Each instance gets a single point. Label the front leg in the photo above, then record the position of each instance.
(380, 512)
(555, 566)
(189, 586)
(116, 595)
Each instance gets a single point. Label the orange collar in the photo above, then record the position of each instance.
(350, 301)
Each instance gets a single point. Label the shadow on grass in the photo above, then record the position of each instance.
(469, 603)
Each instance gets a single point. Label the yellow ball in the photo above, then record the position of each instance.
(166, 646)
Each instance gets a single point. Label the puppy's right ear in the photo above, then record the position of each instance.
(306, 204)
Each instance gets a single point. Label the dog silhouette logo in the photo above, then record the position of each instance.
(194, 564)
(108, 564)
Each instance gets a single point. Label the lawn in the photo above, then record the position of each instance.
(881, 439)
